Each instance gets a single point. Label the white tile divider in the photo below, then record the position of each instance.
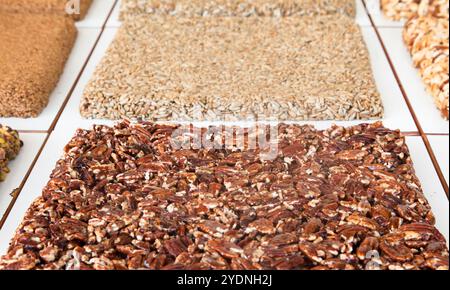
(20, 167)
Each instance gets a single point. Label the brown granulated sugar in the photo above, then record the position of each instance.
(233, 68)
(237, 7)
(33, 51)
(45, 6)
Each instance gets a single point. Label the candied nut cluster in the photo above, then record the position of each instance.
(127, 198)
(10, 145)
(405, 9)
(427, 39)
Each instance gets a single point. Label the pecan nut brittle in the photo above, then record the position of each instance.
(126, 198)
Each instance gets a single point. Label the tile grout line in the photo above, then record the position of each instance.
(436, 163)
(416, 120)
(52, 127)
(437, 134)
(18, 190)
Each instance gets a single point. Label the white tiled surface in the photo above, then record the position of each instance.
(361, 16)
(85, 42)
(422, 103)
(373, 6)
(440, 145)
(19, 167)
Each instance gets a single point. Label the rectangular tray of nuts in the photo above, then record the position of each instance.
(227, 135)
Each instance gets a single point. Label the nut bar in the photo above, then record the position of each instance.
(137, 197)
(427, 39)
(33, 51)
(10, 145)
(60, 7)
(243, 8)
(231, 68)
(405, 9)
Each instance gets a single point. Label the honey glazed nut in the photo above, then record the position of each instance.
(126, 198)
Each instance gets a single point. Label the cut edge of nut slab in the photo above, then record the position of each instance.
(231, 68)
(241, 8)
(125, 197)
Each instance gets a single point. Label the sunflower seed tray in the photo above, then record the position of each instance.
(237, 7)
(227, 69)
